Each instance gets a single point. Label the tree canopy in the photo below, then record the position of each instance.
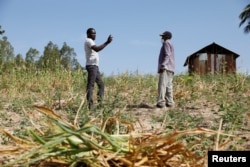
(52, 58)
(1, 31)
(245, 18)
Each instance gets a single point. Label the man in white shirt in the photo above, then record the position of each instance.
(92, 66)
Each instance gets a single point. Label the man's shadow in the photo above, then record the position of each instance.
(141, 105)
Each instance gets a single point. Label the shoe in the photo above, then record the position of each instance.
(91, 107)
(160, 106)
(170, 106)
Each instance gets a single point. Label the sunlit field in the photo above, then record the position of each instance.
(44, 120)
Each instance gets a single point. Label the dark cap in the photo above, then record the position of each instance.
(167, 34)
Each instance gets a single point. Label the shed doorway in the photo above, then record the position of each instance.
(202, 63)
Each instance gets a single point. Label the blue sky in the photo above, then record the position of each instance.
(135, 25)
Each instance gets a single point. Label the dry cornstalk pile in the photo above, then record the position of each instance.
(88, 145)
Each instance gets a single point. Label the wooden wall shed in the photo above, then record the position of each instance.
(212, 59)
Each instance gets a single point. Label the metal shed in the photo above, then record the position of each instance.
(212, 59)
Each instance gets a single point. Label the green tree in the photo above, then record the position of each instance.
(30, 57)
(76, 65)
(54, 58)
(1, 31)
(51, 57)
(245, 17)
(6, 53)
(19, 61)
(67, 56)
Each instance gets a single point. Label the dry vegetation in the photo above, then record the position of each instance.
(44, 120)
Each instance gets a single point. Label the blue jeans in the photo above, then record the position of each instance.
(165, 89)
(94, 76)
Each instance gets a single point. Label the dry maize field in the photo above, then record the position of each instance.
(45, 122)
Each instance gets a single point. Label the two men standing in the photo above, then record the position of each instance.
(166, 67)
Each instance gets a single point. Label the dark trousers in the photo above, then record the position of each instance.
(94, 76)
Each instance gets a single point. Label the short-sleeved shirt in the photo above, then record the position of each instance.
(92, 57)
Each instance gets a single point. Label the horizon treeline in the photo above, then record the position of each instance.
(52, 58)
